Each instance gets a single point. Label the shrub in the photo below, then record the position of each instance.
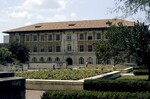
(61, 94)
(117, 85)
(140, 72)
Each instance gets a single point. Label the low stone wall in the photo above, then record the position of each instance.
(127, 70)
(39, 84)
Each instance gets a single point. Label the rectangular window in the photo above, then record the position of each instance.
(57, 37)
(27, 38)
(42, 38)
(98, 36)
(57, 48)
(50, 37)
(90, 49)
(69, 47)
(68, 36)
(34, 37)
(81, 37)
(50, 49)
(81, 48)
(89, 36)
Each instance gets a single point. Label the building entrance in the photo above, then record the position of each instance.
(69, 61)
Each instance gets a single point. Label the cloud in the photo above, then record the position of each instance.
(53, 5)
(21, 14)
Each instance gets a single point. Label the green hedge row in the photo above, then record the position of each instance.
(117, 85)
(61, 94)
(140, 72)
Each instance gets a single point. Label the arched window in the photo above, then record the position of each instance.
(42, 59)
(34, 49)
(57, 59)
(49, 59)
(81, 60)
(90, 60)
(34, 60)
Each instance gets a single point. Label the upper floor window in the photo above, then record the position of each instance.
(42, 38)
(57, 48)
(69, 47)
(42, 49)
(98, 36)
(90, 49)
(68, 36)
(34, 37)
(50, 49)
(89, 36)
(81, 37)
(34, 49)
(81, 48)
(27, 38)
(57, 37)
(17, 39)
(50, 37)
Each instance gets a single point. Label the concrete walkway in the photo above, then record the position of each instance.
(34, 94)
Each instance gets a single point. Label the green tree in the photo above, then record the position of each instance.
(133, 41)
(130, 7)
(19, 52)
(104, 51)
(5, 56)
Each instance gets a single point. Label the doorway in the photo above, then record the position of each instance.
(69, 61)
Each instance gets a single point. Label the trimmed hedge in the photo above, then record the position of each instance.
(140, 72)
(117, 85)
(61, 94)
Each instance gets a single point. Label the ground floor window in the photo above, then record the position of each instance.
(34, 59)
(81, 60)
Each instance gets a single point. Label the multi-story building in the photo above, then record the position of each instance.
(70, 42)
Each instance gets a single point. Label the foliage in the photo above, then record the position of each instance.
(19, 51)
(133, 41)
(5, 55)
(130, 7)
(67, 94)
(104, 51)
(63, 74)
(141, 72)
(117, 85)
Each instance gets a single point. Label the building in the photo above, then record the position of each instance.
(6, 39)
(69, 42)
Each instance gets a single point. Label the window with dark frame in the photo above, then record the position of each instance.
(81, 48)
(89, 36)
(57, 48)
(90, 49)
(57, 37)
(81, 36)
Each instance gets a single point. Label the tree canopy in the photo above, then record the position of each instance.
(130, 7)
(5, 55)
(19, 52)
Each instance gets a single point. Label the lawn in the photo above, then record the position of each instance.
(143, 77)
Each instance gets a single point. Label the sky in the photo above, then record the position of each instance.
(17, 13)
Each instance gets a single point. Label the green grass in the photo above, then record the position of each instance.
(145, 77)
(104, 67)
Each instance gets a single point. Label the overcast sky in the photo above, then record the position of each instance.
(17, 13)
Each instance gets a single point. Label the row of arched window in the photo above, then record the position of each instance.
(57, 59)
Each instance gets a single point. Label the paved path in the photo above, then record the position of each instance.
(34, 94)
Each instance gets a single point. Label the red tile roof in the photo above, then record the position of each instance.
(85, 24)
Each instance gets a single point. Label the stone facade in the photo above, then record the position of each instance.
(70, 43)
